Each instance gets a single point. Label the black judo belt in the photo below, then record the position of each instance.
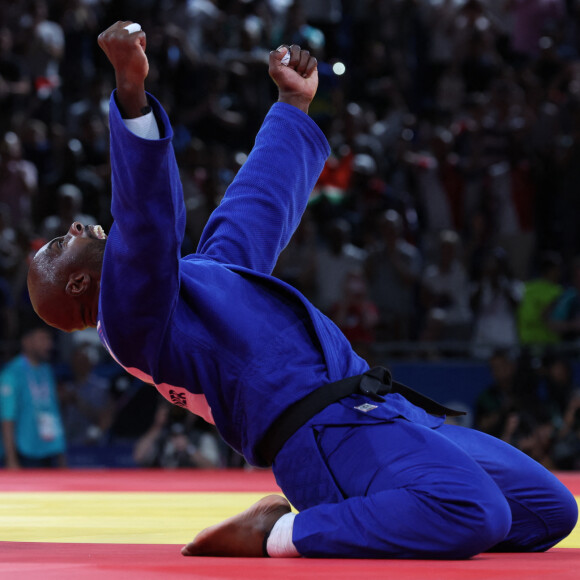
(375, 383)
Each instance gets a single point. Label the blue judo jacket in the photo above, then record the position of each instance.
(214, 331)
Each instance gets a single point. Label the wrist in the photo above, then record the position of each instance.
(132, 99)
(297, 101)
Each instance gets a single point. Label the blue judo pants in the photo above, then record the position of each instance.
(402, 489)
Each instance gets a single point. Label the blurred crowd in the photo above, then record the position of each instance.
(444, 217)
(534, 404)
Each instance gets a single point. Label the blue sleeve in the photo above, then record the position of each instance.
(141, 269)
(265, 202)
(146, 184)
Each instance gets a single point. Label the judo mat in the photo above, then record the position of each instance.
(129, 524)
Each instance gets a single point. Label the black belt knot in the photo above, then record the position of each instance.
(374, 383)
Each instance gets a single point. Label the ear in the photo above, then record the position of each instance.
(78, 283)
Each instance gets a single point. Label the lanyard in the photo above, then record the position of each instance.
(39, 386)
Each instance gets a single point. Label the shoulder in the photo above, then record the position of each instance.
(13, 366)
(10, 374)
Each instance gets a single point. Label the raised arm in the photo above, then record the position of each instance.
(264, 204)
(144, 244)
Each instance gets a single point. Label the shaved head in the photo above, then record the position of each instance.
(64, 279)
(46, 287)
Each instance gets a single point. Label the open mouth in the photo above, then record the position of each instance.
(98, 232)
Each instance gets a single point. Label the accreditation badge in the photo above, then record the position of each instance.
(48, 427)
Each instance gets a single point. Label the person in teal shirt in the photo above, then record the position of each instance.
(32, 430)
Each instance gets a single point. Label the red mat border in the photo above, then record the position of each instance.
(142, 480)
(30, 561)
(152, 480)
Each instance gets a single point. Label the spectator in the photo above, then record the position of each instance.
(539, 296)
(135, 408)
(85, 399)
(196, 18)
(532, 19)
(445, 293)
(557, 389)
(393, 268)
(511, 191)
(10, 255)
(79, 26)
(494, 302)
(177, 440)
(69, 210)
(7, 318)
(96, 99)
(43, 54)
(32, 429)
(440, 187)
(334, 261)
(564, 315)
(439, 17)
(533, 434)
(297, 263)
(479, 62)
(326, 16)
(500, 399)
(14, 85)
(566, 451)
(511, 409)
(18, 179)
(356, 315)
(37, 148)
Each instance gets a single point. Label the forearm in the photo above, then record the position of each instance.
(9, 444)
(263, 205)
(131, 98)
(296, 100)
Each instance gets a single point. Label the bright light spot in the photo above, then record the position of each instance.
(338, 68)
(240, 158)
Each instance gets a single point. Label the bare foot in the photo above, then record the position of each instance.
(241, 536)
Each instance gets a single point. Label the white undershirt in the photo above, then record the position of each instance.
(144, 127)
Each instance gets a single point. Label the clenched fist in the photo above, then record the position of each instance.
(298, 80)
(126, 52)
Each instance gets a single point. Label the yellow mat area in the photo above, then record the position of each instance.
(126, 517)
(113, 517)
